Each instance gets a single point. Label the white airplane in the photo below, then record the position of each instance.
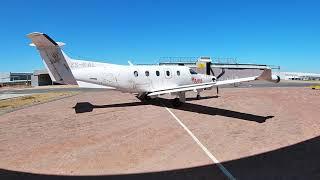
(147, 81)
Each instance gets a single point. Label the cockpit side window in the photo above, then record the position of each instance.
(192, 71)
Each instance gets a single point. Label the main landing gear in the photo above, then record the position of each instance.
(143, 97)
(176, 102)
(181, 98)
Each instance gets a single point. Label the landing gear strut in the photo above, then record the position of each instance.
(198, 96)
(143, 97)
(176, 102)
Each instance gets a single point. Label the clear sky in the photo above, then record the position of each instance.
(285, 33)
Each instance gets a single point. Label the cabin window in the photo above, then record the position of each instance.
(192, 71)
(168, 73)
(178, 73)
(135, 73)
(147, 73)
(157, 73)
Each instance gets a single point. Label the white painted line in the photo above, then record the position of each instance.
(209, 154)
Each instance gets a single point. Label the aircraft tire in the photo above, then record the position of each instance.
(176, 102)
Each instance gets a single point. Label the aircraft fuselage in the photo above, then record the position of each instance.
(139, 78)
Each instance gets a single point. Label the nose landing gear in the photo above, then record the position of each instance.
(198, 96)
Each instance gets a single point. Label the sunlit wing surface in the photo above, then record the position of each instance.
(202, 86)
(182, 89)
(232, 81)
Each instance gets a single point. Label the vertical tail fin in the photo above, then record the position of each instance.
(53, 57)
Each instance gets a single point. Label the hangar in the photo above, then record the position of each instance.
(224, 68)
(41, 78)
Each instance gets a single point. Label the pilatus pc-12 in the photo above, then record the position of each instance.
(146, 81)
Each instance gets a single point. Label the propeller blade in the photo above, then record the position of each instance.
(212, 71)
(221, 74)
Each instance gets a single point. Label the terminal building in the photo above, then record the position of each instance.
(15, 78)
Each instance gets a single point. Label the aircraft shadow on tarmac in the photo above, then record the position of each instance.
(298, 161)
(83, 107)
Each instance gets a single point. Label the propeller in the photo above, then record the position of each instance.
(210, 70)
(221, 74)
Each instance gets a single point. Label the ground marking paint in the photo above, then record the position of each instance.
(214, 159)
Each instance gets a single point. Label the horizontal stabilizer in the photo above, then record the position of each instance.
(60, 44)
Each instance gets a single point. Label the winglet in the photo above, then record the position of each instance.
(268, 76)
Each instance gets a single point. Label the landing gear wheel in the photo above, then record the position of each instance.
(144, 98)
(176, 102)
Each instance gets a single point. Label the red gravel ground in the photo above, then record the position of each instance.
(255, 133)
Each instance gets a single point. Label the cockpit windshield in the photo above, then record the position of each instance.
(192, 71)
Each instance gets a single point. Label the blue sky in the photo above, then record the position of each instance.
(285, 33)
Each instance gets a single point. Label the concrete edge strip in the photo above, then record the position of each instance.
(209, 154)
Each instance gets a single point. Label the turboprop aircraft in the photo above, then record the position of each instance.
(146, 81)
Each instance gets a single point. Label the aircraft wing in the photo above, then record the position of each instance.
(232, 81)
(182, 89)
(266, 75)
(201, 86)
